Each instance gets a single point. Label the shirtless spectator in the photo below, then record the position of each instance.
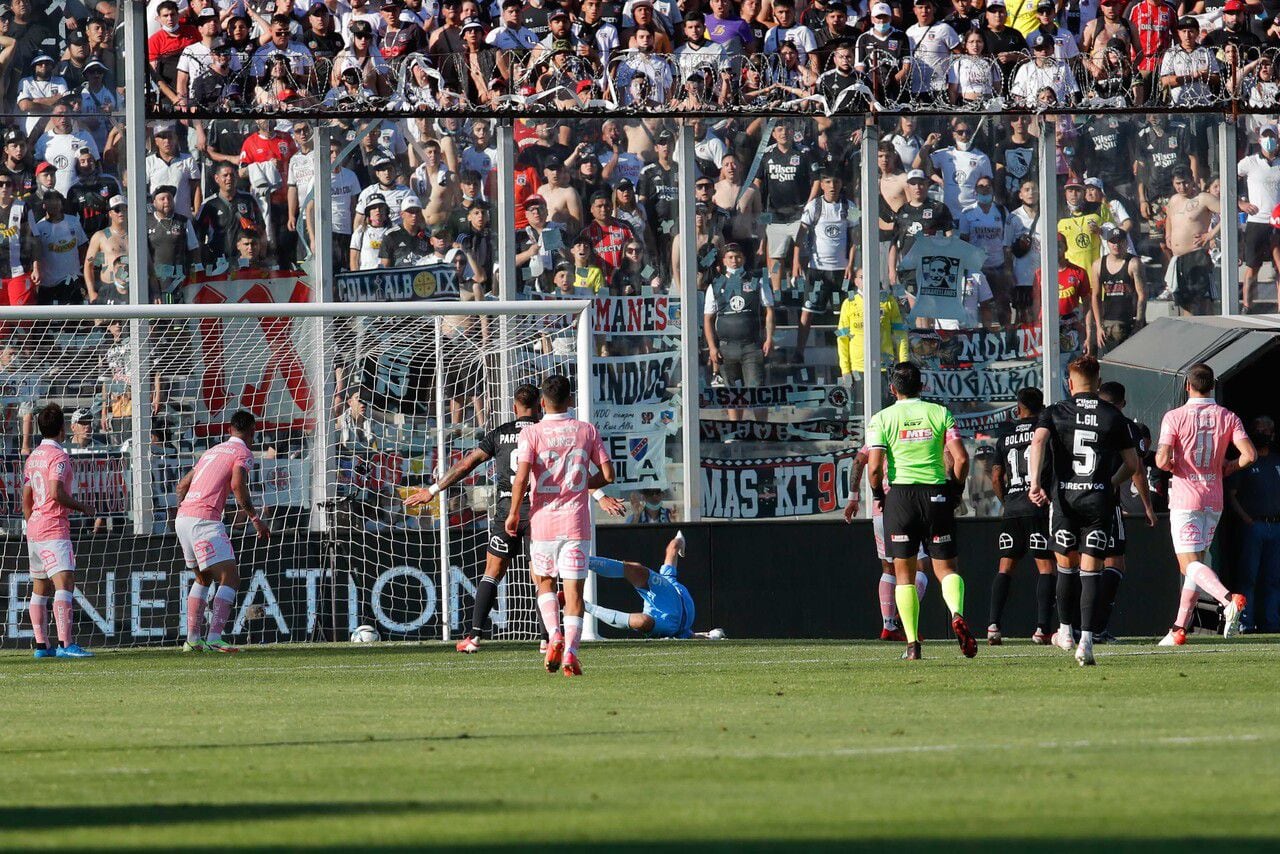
(1188, 231)
(106, 260)
(563, 205)
(742, 204)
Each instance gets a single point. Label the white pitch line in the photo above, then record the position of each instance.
(1078, 744)
(531, 662)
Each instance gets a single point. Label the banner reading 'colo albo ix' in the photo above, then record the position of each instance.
(776, 488)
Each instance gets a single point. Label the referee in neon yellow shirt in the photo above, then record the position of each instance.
(916, 439)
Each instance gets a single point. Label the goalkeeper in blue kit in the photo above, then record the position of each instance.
(668, 608)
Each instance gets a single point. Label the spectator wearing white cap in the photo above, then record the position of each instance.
(1260, 174)
(883, 55)
(408, 243)
(97, 99)
(106, 260)
(195, 57)
(40, 92)
(1113, 211)
(384, 184)
(366, 242)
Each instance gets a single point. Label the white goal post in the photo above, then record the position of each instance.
(358, 405)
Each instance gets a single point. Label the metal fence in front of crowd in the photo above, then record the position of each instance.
(762, 222)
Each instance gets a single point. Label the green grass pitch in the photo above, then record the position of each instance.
(690, 745)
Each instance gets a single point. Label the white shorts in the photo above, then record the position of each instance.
(562, 558)
(50, 557)
(877, 526)
(1192, 530)
(782, 238)
(204, 542)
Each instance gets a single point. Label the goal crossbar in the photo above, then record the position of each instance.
(295, 309)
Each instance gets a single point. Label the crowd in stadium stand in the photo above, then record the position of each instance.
(1139, 208)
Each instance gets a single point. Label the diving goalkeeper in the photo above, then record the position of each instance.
(668, 608)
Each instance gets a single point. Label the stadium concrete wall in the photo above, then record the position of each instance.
(792, 580)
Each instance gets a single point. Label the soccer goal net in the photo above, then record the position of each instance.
(358, 406)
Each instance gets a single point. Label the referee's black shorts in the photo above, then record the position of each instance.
(916, 514)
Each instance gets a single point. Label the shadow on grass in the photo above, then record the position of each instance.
(323, 742)
(45, 817)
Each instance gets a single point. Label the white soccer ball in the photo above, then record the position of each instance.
(365, 634)
(715, 634)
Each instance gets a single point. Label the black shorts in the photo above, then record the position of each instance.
(1116, 539)
(1022, 534)
(502, 544)
(1256, 243)
(916, 514)
(823, 284)
(1082, 525)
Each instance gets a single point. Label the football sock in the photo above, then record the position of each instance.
(606, 567)
(1089, 602)
(922, 584)
(1109, 587)
(222, 602)
(999, 595)
(953, 593)
(549, 607)
(62, 600)
(888, 607)
(486, 593)
(908, 610)
(608, 616)
(1069, 597)
(1207, 580)
(1187, 600)
(196, 597)
(572, 634)
(1044, 600)
(39, 609)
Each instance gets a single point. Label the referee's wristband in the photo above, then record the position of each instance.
(598, 495)
(877, 492)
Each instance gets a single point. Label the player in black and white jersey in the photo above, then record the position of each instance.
(1136, 491)
(499, 444)
(1091, 453)
(1024, 526)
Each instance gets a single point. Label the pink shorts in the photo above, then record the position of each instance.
(50, 557)
(562, 558)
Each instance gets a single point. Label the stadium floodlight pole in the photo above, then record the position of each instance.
(872, 377)
(586, 384)
(1229, 192)
(135, 31)
(446, 606)
(689, 325)
(1050, 321)
(324, 459)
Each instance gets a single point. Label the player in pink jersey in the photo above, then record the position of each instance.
(206, 548)
(47, 505)
(558, 453)
(1193, 448)
(890, 626)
